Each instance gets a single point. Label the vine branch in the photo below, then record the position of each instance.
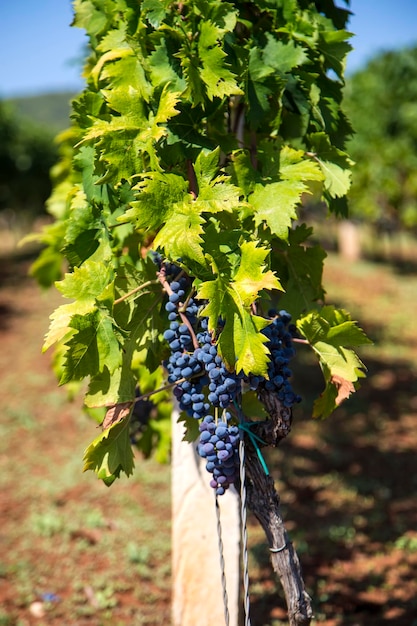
(131, 293)
(264, 502)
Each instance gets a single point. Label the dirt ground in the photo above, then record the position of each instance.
(76, 553)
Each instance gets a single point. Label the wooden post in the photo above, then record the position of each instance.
(197, 586)
(349, 241)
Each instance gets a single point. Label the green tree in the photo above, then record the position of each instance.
(202, 127)
(27, 153)
(381, 101)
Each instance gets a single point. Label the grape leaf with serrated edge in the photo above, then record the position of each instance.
(328, 332)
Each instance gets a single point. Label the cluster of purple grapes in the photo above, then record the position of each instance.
(218, 445)
(201, 380)
(183, 366)
(194, 365)
(223, 386)
(280, 334)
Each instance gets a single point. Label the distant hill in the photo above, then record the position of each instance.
(49, 110)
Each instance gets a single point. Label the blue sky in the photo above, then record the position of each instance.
(39, 49)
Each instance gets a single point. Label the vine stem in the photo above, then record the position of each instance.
(166, 286)
(192, 179)
(148, 394)
(131, 293)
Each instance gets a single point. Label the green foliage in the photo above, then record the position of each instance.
(110, 453)
(329, 332)
(202, 127)
(381, 101)
(27, 152)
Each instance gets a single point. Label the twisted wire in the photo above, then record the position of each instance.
(243, 515)
(222, 563)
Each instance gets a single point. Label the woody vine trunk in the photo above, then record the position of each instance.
(264, 502)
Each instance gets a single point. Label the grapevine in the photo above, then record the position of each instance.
(203, 127)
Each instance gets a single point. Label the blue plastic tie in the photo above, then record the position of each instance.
(245, 426)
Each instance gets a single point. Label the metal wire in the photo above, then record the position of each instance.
(243, 515)
(222, 564)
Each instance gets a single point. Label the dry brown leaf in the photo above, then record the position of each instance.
(116, 413)
(344, 388)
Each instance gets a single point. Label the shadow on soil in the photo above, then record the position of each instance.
(347, 486)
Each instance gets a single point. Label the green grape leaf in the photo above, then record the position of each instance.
(339, 360)
(108, 344)
(347, 333)
(85, 284)
(88, 16)
(251, 276)
(219, 80)
(206, 166)
(293, 166)
(215, 193)
(84, 162)
(335, 165)
(258, 88)
(242, 171)
(181, 234)
(249, 353)
(162, 70)
(334, 47)
(127, 136)
(59, 327)
(158, 192)
(47, 267)
(303, 267)
(337, 180)
(326, 403)
(105, 389)
(155, 11)
(111, 453)
(127, 89)
(191, 427)
(329, 332)
(81, 357)
(195, 90)
(219, 195)
(275, 202)
(283, 56)
(240, 342)
(92, 347)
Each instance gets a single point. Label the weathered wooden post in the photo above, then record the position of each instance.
(196, 570)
